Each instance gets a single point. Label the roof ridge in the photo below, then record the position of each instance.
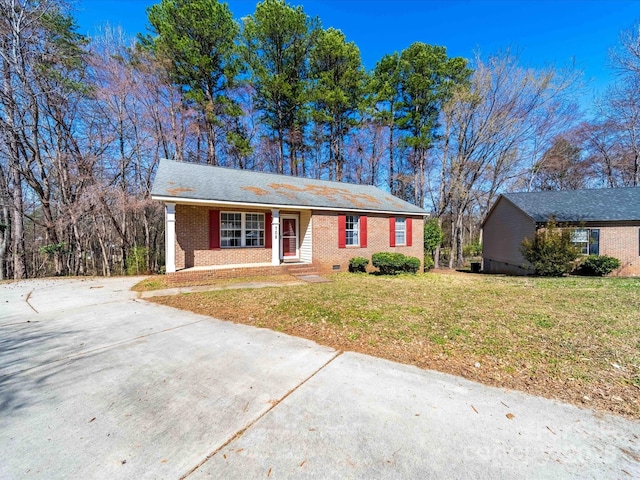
(283, 175)
(538, 192)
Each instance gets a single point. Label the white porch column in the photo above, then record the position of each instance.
(170, 237)
(275, 236)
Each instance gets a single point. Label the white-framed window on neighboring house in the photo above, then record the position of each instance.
(401, 231)
(587, 240)
(239, 229)
(352, 230)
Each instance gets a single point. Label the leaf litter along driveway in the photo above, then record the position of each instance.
(574, 339)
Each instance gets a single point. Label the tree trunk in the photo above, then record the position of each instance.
(17, 229)
(5, 232)
(211, 144)
(459, 243)
(452, 244)
(280, 165)
(392, 189)
(436, 254)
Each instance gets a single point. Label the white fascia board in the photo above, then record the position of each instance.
(195, 201)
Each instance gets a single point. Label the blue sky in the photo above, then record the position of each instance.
(544, 32)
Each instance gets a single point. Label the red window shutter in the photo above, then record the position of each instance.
(342, 231)
(392, 232)
(409, 232)
(214, 229)
(267, 229)
(363, 231)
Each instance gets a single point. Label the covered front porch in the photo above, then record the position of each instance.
(222, 239)
(219, 272)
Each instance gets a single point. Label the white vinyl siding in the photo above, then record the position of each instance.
(503, 232)
(306, 247)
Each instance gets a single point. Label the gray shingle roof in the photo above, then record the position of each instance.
(196, 182)
(608, 205)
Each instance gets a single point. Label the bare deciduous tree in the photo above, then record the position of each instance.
(491, 129)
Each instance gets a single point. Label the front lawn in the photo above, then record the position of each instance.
(575, 339)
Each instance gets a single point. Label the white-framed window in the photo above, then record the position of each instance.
(254, 230)
(401, 231)
(587, 240)
(352, 231)
(239, 229)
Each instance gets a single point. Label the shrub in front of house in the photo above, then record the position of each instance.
(598, 265)
(550, 251)
(358, 265)
(411, 264)
(428, 262)
(391, 263)
(432, 236)
(387, 263)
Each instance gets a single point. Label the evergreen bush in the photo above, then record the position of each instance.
(137, 261)
(598, 265)
(550, 251)
(358, 265)
(391, 263)
(428, 262)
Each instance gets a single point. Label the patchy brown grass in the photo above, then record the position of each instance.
(572, 339)
(161, 282)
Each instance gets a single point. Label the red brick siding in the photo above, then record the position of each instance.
(192, 241)
(621, 241)
(326, 253)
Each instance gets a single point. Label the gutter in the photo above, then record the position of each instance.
(190, 201)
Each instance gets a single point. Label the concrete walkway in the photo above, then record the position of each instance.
(96, 383)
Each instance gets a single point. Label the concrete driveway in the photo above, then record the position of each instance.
(95, 383)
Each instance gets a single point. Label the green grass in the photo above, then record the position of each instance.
(557, 337)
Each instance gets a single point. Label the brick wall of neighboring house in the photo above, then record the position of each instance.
(192, 241)
(327, 255)
(621, 241)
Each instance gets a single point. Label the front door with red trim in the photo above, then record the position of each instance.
(289, 238)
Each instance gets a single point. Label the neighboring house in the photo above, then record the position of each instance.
(224, 218)
(606, 222)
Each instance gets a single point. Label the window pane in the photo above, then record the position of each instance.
(580, 239)
(254, 225)
(580, 236)
(236, 233)
(352, 229)
(230, 229)
(400, 231)
(594, 241)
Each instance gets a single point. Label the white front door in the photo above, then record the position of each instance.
(289, 249)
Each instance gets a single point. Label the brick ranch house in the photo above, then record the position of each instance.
(606, 222)
(225, 222)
